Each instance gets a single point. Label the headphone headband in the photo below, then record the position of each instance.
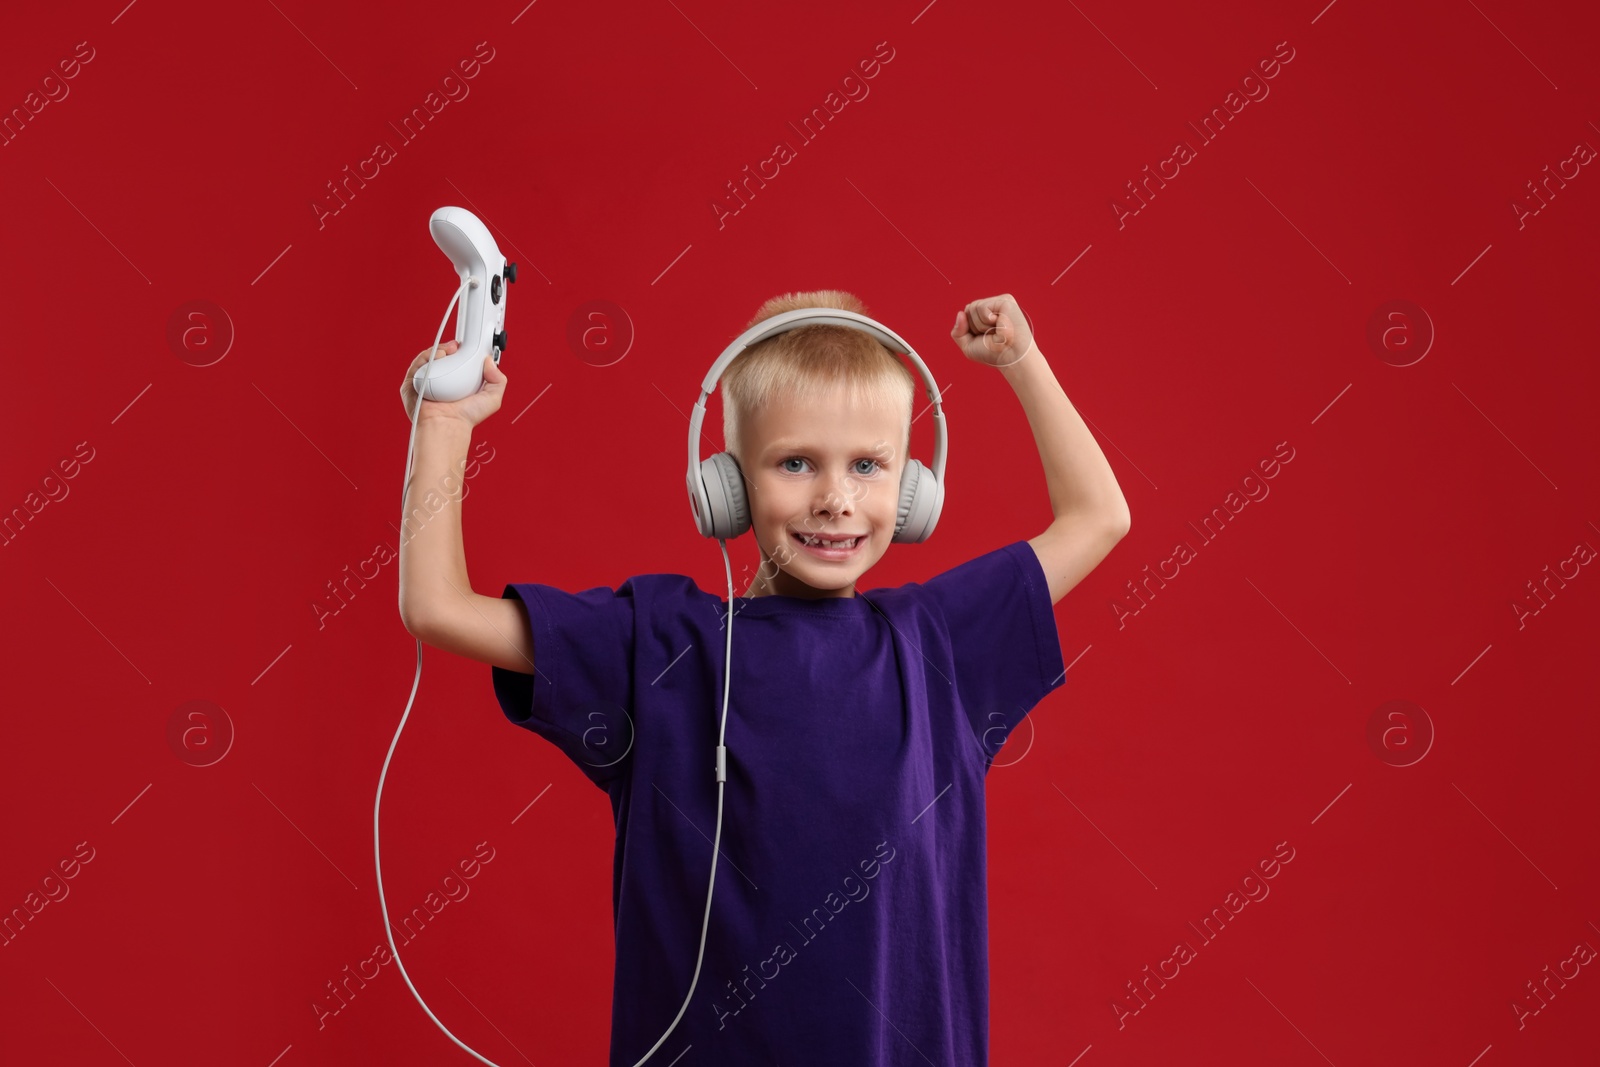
(782, 323)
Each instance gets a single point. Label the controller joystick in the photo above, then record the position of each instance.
(481, 316)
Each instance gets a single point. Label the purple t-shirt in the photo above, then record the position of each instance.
(849, 924)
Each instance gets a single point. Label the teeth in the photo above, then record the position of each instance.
(827, 544)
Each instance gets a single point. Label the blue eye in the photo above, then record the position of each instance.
(797, 459)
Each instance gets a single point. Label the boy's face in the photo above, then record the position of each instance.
(827, 469)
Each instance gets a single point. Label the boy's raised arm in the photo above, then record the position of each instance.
(1091, 515)
(437, 603)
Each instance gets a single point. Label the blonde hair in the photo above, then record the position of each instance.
(809, 362)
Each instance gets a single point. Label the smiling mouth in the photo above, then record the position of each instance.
(837, 551)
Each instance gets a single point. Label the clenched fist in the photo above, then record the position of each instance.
(993, 331)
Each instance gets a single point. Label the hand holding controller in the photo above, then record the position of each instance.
(471, 409)
(481, 318)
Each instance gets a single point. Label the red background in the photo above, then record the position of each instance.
(1230, 314)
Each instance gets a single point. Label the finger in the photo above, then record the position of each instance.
(444, 349)
(998, 333)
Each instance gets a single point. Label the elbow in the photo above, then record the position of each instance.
(1120, 523)
(415, 622)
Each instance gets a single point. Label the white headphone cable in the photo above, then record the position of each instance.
(722, 777)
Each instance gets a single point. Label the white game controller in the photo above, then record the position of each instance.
(481, 318)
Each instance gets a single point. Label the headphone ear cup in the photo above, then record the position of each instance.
(724, 488)
(921, 501)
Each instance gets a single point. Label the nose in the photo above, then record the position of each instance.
(832, 499)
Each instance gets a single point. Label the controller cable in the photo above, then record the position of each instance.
(470, 281)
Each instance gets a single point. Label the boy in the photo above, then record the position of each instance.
(849, 919)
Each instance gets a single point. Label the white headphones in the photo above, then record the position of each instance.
(716, 486)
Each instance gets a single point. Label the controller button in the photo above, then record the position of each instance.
(494, 289)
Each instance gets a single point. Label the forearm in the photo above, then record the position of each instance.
(1080, 480)
(433, 561)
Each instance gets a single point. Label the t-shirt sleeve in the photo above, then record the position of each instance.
(1004, 644)
(579, 696)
